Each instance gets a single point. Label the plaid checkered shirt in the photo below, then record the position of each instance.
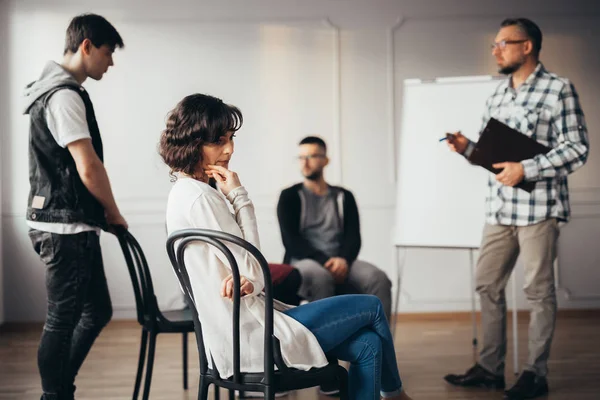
(546, 108)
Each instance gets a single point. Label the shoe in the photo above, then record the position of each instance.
(69, 395)
(477, 376)
(528, 386)
(261, 395)
(329, 389)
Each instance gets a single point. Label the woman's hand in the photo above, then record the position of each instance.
(246, 287)
(226, 180)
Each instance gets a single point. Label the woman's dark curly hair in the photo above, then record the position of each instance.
(197, 119)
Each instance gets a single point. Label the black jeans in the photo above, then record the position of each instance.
(79, 306)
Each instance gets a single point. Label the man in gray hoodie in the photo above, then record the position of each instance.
(70, 201)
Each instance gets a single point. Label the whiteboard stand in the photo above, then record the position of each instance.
(473, 290)
(400, 274)
(400, 264)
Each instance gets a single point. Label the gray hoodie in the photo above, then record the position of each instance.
(52, 76)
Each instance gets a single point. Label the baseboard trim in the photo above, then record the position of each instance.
(459, 316)
(466, 315)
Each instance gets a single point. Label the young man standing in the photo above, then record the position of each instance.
(70, 201)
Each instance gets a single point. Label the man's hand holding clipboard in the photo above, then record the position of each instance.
(500, 150)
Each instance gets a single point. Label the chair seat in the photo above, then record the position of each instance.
(294, 379)
(178, 315)
(176, 321)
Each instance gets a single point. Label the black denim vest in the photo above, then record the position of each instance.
(57, 193)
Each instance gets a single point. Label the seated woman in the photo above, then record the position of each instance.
(197, 145)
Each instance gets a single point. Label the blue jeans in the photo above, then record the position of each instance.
(354, 328)
(79, 306)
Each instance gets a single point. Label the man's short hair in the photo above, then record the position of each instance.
(93, 27)
(314, 140)
(530, 29)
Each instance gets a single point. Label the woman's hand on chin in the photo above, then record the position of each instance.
(227, 180)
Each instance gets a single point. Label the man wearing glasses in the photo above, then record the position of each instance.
(321, 233)
(545, 107)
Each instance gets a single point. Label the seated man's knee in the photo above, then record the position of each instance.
(317, 282)
(369, 278)
(320, 286)
(380, 280)
(376, 283)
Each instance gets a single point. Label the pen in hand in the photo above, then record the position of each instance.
(449, 136)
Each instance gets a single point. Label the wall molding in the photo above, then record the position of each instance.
(337, 98)
(391, 70)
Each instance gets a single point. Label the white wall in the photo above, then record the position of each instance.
(292, 73)
(4, 118)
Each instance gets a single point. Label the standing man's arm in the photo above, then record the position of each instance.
(94, 177)
(573, 144)
(352, 240)
(288, 213)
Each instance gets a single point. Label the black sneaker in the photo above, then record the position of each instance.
(477, 376)
(528, 386)
(330, 389)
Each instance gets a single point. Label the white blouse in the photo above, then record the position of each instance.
(194, 204)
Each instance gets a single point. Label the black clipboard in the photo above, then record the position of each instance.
(499, 143)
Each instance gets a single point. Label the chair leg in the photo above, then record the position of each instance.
(203, 389)
(184, 338)
(343, 383)
(231, 394)
(149, 365)
(269, 393)
(217, 392)
(142, 359)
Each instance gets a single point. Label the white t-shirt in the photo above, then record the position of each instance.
(67, 122)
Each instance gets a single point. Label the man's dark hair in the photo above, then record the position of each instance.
(530, 29)
(314, 140)
(93, 27)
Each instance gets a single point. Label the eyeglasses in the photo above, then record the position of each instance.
(310, 157)
(502, 44)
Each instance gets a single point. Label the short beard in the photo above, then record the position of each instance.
(510, 69)
(315, 176)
